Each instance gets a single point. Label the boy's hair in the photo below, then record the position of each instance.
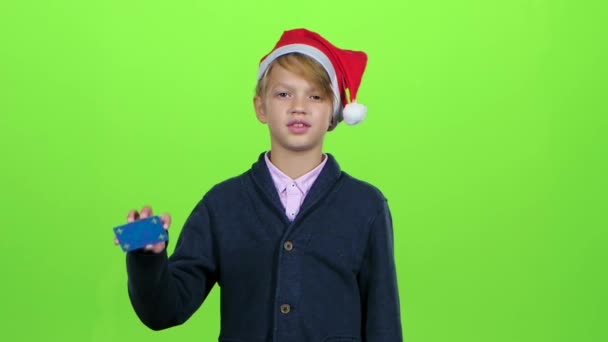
(303, 66)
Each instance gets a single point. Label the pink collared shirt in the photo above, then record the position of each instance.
(293, 191)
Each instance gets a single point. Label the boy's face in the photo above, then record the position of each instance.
(297, 113)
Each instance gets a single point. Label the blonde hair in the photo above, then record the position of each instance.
(303, 66)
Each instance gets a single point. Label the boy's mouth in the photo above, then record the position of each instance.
(298, 123)
(298, 126)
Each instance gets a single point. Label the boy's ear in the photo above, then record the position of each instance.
(258, 103)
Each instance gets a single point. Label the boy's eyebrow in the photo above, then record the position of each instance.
(281, 84)
(285, 85)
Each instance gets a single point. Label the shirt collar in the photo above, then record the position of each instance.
(330, 176)
(304, 182)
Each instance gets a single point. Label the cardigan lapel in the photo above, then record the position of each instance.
(321, 187)
(262, 178)
(323, 184)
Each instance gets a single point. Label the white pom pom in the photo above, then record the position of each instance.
(354, 113)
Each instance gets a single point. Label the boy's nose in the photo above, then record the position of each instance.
(298, 105)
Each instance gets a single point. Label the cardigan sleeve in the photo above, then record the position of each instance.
(165, 291)
(377, 280)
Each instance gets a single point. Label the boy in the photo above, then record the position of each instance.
(301, 250)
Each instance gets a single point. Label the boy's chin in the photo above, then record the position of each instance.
(299, 148)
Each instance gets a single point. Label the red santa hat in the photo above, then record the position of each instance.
(344, 67)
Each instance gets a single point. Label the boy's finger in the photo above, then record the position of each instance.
(166, 218)
(146, 212)
(156, 248)
(159, 247)
(132, 216)
(116, 241)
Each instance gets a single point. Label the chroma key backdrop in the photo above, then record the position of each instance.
(486, 131)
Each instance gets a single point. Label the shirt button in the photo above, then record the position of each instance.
(288, 245)
(285, 308)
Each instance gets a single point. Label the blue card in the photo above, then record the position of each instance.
(138, 234)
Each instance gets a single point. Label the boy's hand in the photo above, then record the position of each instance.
(145, 213)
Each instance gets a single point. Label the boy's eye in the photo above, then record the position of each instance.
(282, 94)
(316, 97)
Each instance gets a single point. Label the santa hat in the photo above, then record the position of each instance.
(344, 67)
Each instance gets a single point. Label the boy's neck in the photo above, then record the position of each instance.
(296, 164)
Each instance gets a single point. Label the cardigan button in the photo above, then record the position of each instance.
(285, 308)
(288, 245)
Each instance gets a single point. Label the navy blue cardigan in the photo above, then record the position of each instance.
(327, 276)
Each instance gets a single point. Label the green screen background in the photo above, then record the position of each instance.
(486, 131)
